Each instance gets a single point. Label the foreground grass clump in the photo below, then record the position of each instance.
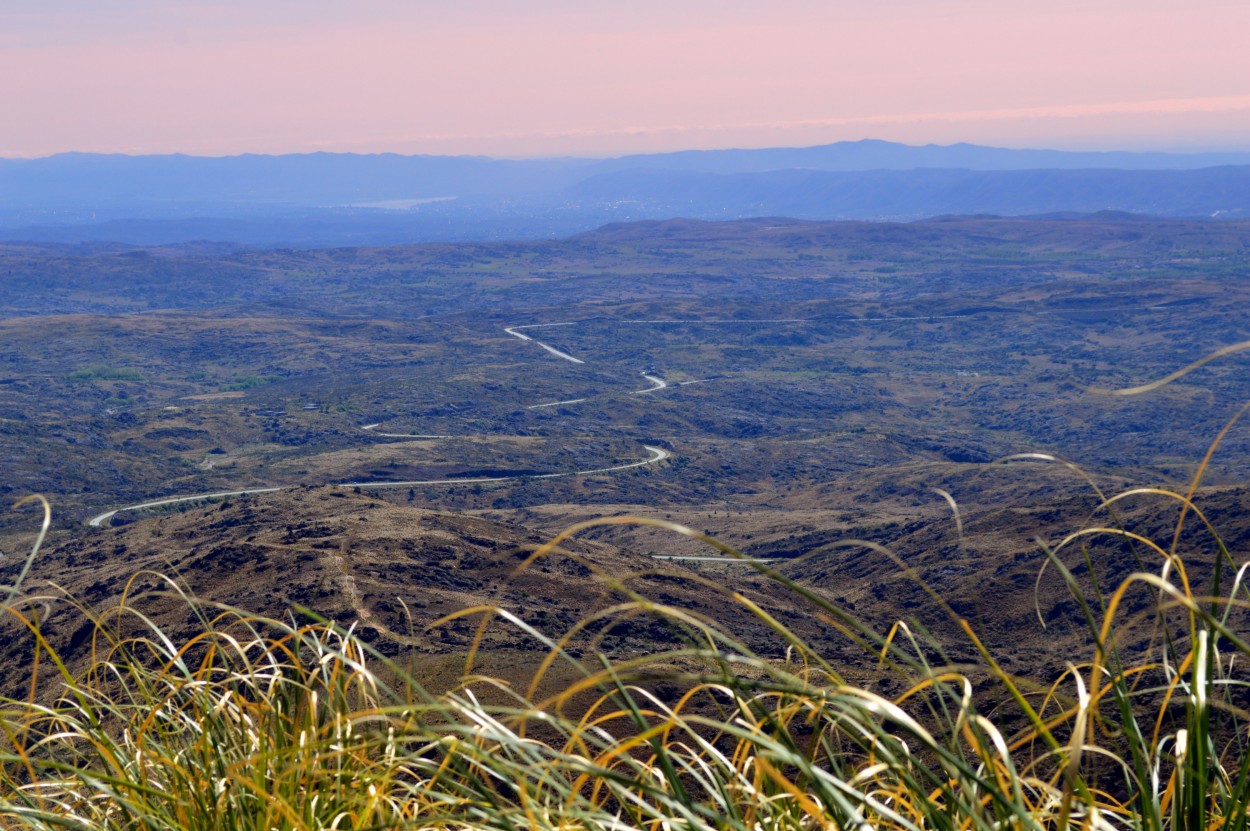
(263, 724)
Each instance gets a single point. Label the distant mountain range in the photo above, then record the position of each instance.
(324, 199)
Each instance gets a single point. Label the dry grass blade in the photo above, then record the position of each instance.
(253, 723)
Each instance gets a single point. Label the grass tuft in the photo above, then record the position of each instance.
(253, 723)
(261, 724)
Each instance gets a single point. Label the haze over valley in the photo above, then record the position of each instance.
(328, 200)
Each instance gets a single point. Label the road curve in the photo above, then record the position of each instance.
(97, 521)
(655, 454)
(656, 384)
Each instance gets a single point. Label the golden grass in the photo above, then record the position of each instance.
(257, 723)
(263, 724)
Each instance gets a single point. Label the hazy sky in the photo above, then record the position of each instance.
(539, 77)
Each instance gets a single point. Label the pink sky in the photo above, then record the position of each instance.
(517, 78)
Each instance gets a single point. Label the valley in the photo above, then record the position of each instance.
(782, 386)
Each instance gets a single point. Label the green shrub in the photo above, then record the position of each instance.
(101, 372)
(247, 382)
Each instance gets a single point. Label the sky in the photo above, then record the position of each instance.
(523, 78)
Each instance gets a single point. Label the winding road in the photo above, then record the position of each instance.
(655, 454)
(100, 519)
(656, 384)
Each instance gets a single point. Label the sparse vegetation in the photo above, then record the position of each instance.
(101, 372)
(247, 382)
(403, 667)
(251, 723)
(993, 336)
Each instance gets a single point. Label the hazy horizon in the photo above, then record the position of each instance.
(552, 78)
(1195, 151)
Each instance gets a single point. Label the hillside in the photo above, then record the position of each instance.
(781, 385)
(390, 572)
(394, 573)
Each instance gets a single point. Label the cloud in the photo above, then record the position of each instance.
(1161, 106)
